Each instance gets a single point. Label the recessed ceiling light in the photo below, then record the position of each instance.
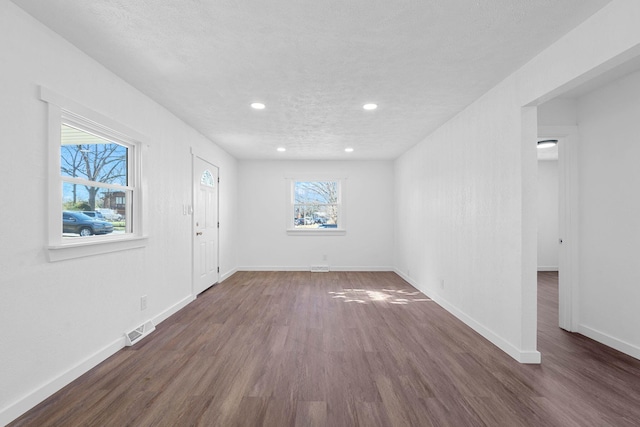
(281, 149)
(258, 106)
(547, 143)
(370, 106)
(349, 150)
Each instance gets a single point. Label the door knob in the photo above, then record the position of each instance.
(199, 233)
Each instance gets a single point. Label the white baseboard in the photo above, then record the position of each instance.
(361, 268)
(273, 268)
(526, 356)
(547, 268)
(23, 404)
(521, 356)
(608, 340)
(172, 310)
(406, 278)
(308, 268)
(228, 274)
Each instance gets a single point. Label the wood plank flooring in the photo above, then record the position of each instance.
(343, 349)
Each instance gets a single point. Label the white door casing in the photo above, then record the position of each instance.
(205, 225)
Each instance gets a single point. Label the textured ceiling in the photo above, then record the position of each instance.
(313, 63)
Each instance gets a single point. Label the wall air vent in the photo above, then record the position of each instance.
(319, 268)
(138, 333)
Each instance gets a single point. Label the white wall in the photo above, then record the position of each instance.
(558, 112)
(609, 157)
(59, 319)
(473, 183)
(263, 212)
(548, 214)
(459, 192)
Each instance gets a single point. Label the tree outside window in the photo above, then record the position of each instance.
(94, 172)
(91, 158)
(316, 204)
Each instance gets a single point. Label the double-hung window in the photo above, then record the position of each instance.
(95, 182)
(316, 206)
(95, 174)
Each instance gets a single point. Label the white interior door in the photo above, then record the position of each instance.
(568, 279)
(205, 225)
(568, 222)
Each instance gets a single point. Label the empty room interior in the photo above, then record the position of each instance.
(320, 213)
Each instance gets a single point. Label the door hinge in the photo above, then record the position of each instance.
(218, 180)
(218, 224)
(218, 269)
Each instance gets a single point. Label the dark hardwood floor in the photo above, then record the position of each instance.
(344, 349)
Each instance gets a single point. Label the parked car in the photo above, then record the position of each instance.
(299, 221)
(328, 226)
(94, 214)
(109, 214)
(79, 223)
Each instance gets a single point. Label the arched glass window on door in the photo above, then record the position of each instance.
(207, 179)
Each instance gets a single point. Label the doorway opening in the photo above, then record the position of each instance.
(595, 122)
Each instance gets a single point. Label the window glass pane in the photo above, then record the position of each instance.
(315, 204)
(103, 210)
(84, 155)
(207, 179)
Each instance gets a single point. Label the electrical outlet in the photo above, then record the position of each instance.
(143, 302)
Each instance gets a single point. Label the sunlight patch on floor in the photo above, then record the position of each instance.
(391, 296)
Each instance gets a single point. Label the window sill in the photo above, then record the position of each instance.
(94, 247)
(317, 232)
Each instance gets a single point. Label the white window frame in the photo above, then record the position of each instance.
(64, 111)
(290, 198)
